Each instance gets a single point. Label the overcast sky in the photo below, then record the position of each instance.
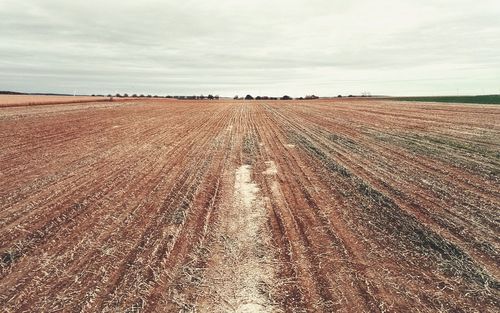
(267, 47)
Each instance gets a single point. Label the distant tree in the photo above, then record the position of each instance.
(248, 97)
(350, 96)
(285, 97)
(141, 96)
(210, 97)
(118, 95)
(339, 96)
(236, 97)
(258, 98)
(311, 97)
(202, 97)
(134, 95)
(149, 96)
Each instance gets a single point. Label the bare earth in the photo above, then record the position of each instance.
(234, 206)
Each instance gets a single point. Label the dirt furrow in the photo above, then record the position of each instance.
(342, 205)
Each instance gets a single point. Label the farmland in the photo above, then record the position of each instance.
(28, 100)
(250, 206)
(483, 99)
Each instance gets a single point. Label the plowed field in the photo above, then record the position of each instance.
(234, 206)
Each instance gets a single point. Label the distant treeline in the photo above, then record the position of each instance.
(209, 97)
(125, 95)
(285, 97)
(194, 97)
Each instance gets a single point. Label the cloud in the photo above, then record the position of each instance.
(235, 47)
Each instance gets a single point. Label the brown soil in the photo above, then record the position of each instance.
(247, 206)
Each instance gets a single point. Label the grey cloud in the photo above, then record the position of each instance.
(229, 47)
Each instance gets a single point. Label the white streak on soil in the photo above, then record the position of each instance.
(239, 281)
(271, 168)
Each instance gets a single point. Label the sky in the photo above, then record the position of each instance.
(259, 47)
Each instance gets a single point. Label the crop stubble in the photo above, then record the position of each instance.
(240, 206)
